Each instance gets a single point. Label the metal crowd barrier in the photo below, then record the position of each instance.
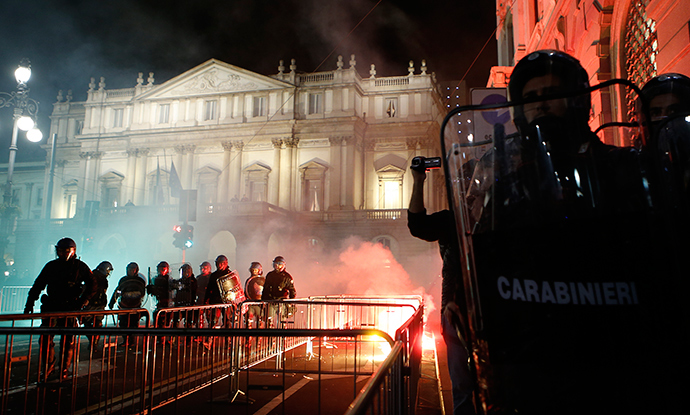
(186, 349)
(13, 298)
(100, 375)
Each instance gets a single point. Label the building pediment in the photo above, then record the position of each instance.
(213, 77)
(390, 162)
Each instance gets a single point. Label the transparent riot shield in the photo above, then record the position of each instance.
(576, 252)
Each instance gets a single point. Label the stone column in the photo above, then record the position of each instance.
(236, 169)
(274, 177)
(369, 176)
(347, 173)
(284, 177)
(335, 184)
(291, 148)
(139, 190)
(86, 179)
(127, 191)
(185, 164)
(224, 193)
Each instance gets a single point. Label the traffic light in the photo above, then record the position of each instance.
(188, 233)
(179, 237)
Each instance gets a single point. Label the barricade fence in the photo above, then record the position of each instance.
(184, 349)
(13, 298)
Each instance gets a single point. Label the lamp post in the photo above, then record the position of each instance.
(25, 111)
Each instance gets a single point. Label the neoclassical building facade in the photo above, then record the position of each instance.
(288, 161)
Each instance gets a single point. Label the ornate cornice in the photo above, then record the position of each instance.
(277, 143)
(88, 155)
(185, 148)
(137, 152)
(291, 142)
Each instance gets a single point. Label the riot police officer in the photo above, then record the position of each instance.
(160, 289)
(253, 288)
(129, 294)
(99, 300)
(279, 285)
(70, 285)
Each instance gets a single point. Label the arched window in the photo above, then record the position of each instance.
(385, 241)
(641, 49)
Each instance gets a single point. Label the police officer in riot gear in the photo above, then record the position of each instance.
(557, 167)
(213, 294)
(667, 95)
(440, 227)
(160, 289)
(129, 294)
(202, 281)
(668, 101)
(99, 300)
(279, 283)
(185, 287)
(253, 288)
(70, 285)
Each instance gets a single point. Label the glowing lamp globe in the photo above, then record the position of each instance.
(22, 74)
(25, 123)
(34, 135)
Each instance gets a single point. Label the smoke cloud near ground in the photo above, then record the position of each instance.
(359, 267)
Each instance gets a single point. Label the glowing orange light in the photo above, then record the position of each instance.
(428, 341)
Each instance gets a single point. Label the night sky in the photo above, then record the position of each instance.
(70, 41)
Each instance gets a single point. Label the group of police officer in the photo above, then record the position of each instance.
(71, 286)
(553, 167)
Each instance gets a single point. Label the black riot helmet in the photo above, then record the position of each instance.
(256, 265)
(66, 243)
(105, 267)
(667, 94)
(186, 269)
(573, 78)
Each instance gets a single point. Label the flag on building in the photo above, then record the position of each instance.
(175, 184)
(160, 199)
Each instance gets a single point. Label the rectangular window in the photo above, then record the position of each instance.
(315, 103)
(16, 197)
(391, 107)
(71, 205)
(118, 114)
(391, 194)
(164, 114)
(39, 197)
(210, 110)
(259, 106)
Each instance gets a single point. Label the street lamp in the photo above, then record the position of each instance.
(25, 111)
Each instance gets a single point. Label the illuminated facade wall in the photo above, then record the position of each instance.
(322, 141)
(630, 39)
